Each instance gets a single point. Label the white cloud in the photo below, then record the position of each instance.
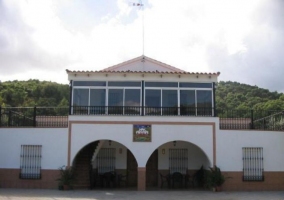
(196, 35)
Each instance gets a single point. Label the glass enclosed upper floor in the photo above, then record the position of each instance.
(142, 98)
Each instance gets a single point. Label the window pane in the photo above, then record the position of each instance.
(196, 85)
(97, 101)
(187, 98)
(115, 101)
(89, 83)
(204, 103)
(115, 97)
(132, 99)
(169, 98)
(153, 99)
(169, 102)
(124, 84)
(161, 84)
(80, 97)
(98, 97)
(204, 98)
(187, 102)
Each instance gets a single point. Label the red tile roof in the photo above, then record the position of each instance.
(146, 72)
(115, 68)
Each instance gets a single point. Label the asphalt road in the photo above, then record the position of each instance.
(37, 194)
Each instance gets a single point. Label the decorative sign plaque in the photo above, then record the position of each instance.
(142, 133)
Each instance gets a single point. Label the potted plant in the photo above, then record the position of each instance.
(66, 177)
(215, 178)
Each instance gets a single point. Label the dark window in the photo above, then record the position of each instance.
(97, 101)
(89, 83)
(153, 98)
(161, 84)
(98, 97)
(80, 97)
(132, 97)
(170, 102)
(204, 98)
(115, 97)
(115, 101)
(124, 84)
(132, 101)
(187, 102)
(196, 85)
(170, 98)
(204, 103)
(153, 102)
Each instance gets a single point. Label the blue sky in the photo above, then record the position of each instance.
(241, 39)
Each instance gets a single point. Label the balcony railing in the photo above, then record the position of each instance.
(58, 117)
(251, 119)
(138, 110)
(34, 117)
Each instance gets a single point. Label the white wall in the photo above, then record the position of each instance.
(200, 135)
(198, 139)
(53, 141)
(230, 143)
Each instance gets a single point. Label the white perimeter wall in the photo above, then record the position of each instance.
(230, 144)
(53, 141)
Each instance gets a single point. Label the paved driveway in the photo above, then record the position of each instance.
(36, 194)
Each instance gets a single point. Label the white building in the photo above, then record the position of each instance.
(142, 119)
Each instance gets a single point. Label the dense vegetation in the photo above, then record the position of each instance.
(229, 95)
(233, 95)
(33, 93)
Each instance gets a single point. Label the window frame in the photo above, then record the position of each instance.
(253, 164)
(30, 162)
(143, 88)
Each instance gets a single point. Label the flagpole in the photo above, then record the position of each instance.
(141, 5)
(142, 30)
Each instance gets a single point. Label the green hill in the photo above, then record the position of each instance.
(33, 93)
(234, 95)
(229, 95)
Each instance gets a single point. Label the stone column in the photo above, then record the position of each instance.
(141, 179)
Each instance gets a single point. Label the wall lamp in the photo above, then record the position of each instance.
(174, 143)
(109, 142)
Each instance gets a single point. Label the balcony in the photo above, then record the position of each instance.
(142, 111)
(54, 117)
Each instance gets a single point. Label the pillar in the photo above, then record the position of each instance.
(141, 178)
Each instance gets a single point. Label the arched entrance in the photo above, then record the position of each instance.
(180, 158)
(104, 163)
(83, 166)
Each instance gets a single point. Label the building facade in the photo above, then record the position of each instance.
(143, 120)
